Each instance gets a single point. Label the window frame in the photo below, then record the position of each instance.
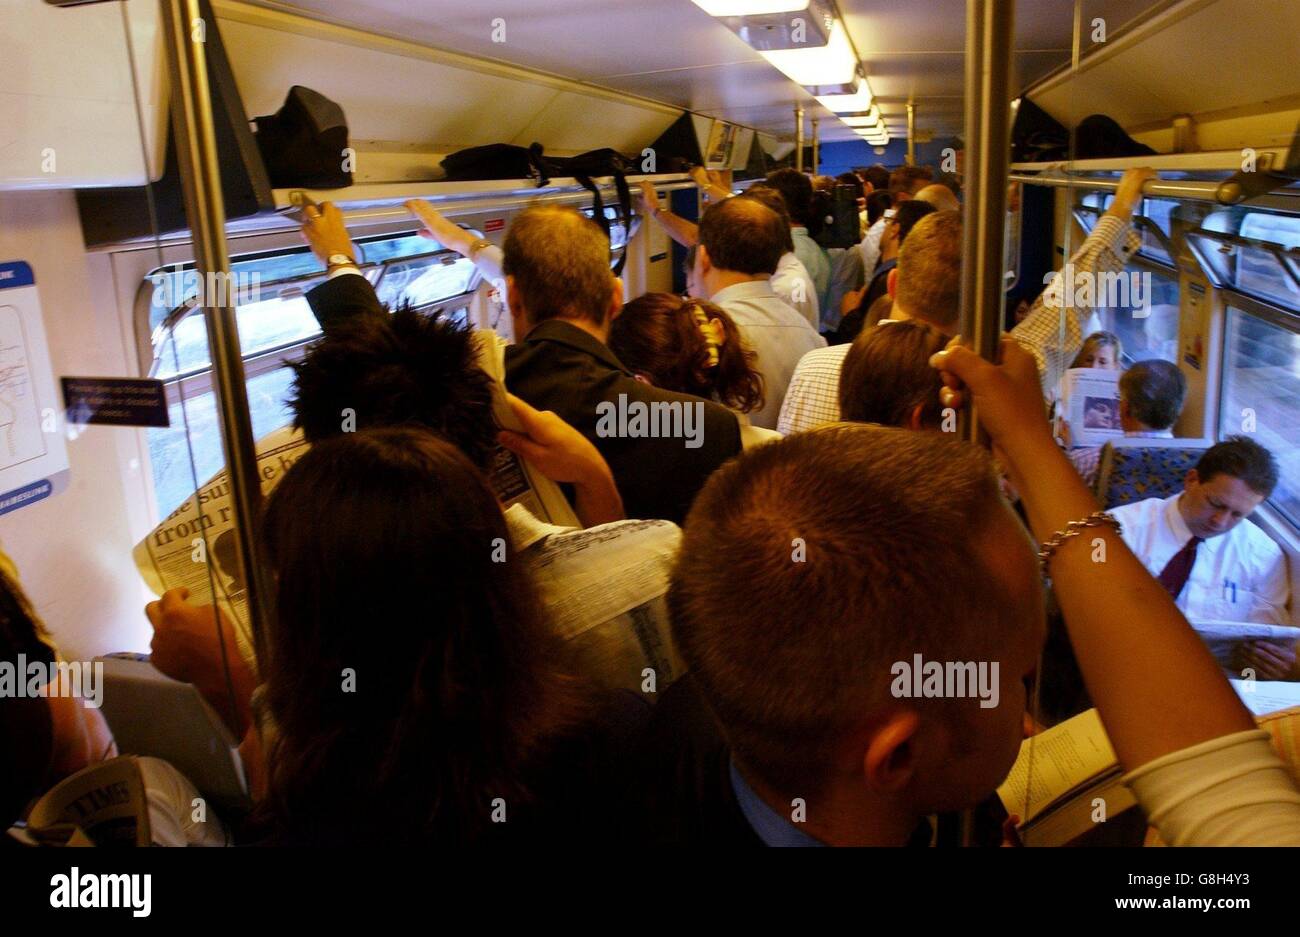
(191, 385)
(374, 272)
(1270, 313)
(1288, 259)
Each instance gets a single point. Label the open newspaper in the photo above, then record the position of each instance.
(1223, 637)
(1090, 406)
(174, 554)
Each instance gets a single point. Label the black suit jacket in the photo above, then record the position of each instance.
(341, 298)
(560, 367)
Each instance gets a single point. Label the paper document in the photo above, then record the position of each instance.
(1268, 696)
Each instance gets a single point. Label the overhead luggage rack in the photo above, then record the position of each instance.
(376, 201)
(1208, 177)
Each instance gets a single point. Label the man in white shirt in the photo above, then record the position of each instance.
(904, 183)
(740, 243)
(796, 191)
(1216, 567)
(1151, 395)
(791, 280)
(793, 283)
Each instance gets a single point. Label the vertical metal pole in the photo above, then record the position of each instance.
(911, 134)
(196, 147)
(816, 154)
(989, 32)
(989, 36)
(798, 137)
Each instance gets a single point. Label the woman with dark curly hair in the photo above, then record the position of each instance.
(690, 346)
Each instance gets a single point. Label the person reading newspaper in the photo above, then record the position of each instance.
(1168, 710)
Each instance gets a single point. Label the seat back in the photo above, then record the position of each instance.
(1135, 469)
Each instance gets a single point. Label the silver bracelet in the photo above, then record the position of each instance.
(1096, 519)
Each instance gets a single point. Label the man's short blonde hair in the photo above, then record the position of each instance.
(559, 259)
(929, 270)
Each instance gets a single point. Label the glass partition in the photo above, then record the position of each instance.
(1261, 391)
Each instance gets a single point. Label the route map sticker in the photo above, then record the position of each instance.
(33, 454)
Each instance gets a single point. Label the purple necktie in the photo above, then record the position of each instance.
(1174, 576)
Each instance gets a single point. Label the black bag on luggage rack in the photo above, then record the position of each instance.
(1037, 136)
(1100, 137)
(500, 161)
(302, 143)
(507, 161)
(586, 167)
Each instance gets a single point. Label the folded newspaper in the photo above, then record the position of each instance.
(1090, 406)
(174, 553)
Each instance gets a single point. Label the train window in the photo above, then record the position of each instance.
(275, 326)
(1154, 222)
(1148, 324)
(1261, 395)
(1252, 252)
(423, 281)
(618, 232)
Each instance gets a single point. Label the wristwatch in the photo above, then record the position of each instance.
(339, 260)
(478, 246)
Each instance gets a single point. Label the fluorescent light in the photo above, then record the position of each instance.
(750, 7)
(868, 122)
(848, 103)
(831, 64)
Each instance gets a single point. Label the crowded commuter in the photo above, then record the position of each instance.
(740, 243)
(886, 377)
(1151, 395)
(904, 183)
(1101, 350)
(797, 191)
(1172, 725)
(462, 725)
(690, 346)
(562, 297)
(790, 281)
(857, 304)
(1201, 546)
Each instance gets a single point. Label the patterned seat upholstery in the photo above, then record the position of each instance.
(1130, 471)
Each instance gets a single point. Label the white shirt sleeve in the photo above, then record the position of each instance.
(488, 261)
(1272, 590)
(1229, 791)
(174, 804)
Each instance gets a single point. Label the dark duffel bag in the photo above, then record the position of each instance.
(500, 161)
(592, 165)
(1099, 137)
(303, 143)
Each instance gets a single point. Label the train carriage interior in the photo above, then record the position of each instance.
(259, 260)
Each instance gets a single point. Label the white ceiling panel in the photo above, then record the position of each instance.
(670, 51)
